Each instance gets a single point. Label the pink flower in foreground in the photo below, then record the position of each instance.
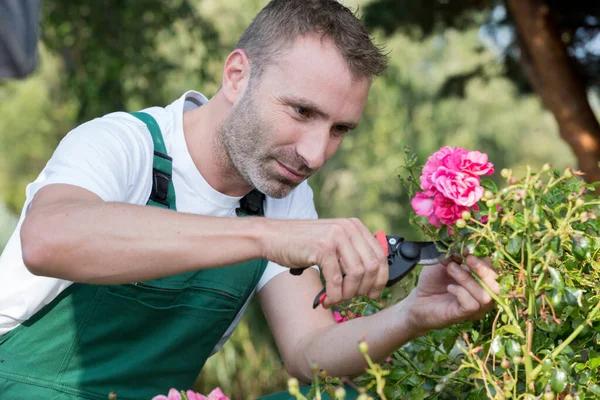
(191, 395)
(172, 395)
(217, 394)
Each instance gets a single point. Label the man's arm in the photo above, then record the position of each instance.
(305, 336)
(71, 233)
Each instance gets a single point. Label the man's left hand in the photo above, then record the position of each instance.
(448, 294)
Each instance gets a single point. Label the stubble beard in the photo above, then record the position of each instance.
(244, 149)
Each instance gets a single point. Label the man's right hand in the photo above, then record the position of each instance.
(351, 259)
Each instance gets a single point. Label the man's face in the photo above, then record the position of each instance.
(285, 126)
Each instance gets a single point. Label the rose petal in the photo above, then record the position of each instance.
(217, 394)
(174, 394)
(422, 205)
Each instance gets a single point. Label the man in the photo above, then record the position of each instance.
(105, 287)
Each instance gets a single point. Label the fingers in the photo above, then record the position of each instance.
(333, 279)
(360, 256)
(467, 303)
(374, 260)
(485, 270)
(468, 284)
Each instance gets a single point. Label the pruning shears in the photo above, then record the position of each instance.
(402, 257)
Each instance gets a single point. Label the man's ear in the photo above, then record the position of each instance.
(236, 75)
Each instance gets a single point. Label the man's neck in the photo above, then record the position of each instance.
(200, 129)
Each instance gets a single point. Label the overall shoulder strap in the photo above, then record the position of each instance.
(163, 191)
(252, 204)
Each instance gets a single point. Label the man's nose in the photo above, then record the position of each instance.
(313, 148)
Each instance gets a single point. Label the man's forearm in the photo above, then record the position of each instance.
(113, 243)
(335, 348)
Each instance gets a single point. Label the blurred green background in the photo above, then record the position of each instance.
(458, 76)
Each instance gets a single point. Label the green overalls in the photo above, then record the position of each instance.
(137, 339)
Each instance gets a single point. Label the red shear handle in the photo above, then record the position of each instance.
(382, 239)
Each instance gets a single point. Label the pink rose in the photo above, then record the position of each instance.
(191, 395)
(423, 205)
(447, 210)
(217, 394)
(433, 163)
(172, 395)
(462, 188)
(476, 163)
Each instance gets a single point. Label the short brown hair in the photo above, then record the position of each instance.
(279, 23)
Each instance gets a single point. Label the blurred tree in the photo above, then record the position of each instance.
(549, 46)
(97, 58)
(111, 49)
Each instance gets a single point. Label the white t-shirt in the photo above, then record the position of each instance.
(112, 157)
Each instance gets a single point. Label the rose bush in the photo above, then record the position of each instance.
(541, 231)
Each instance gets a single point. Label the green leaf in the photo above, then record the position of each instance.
(594, 363)
(396, 374)
(557, 280)
(489, 185)
(558, 380)
(509, 329)
(497, 346)
(512, 348)
(594, 389)
(513, 247)
(574, 296)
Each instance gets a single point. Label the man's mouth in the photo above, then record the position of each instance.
(291, 174)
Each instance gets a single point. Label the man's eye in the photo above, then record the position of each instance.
(303, 111)
(341, 129)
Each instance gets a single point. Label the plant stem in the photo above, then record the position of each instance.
(378, 377)
(500, 302)
(567, 341)
(527, 355)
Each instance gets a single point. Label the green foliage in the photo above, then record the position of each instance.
(541, 232)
